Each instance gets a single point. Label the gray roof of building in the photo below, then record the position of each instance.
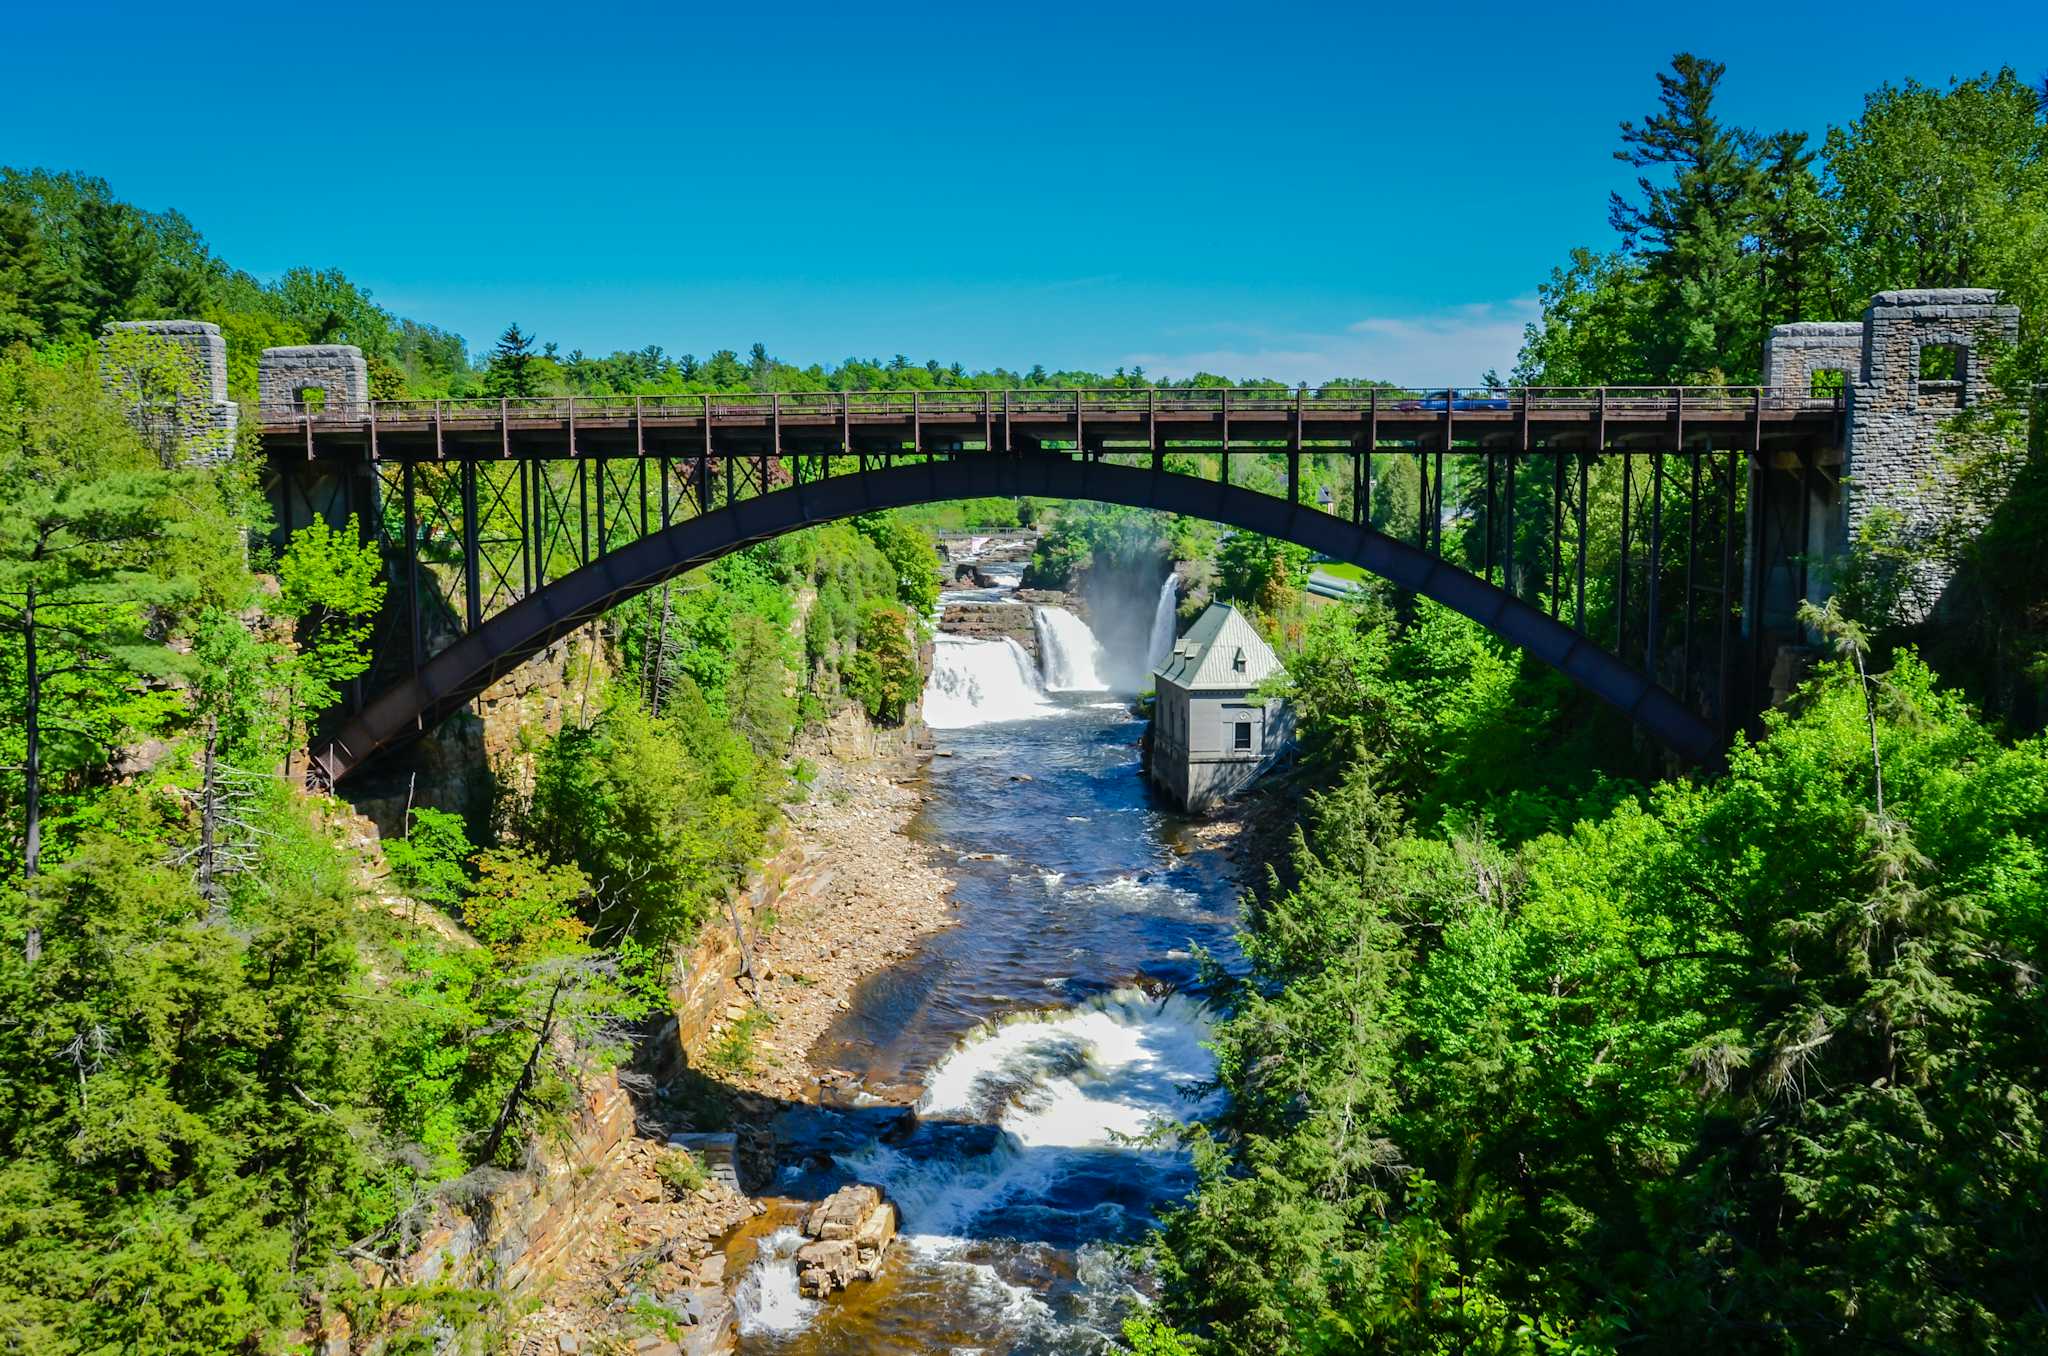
(1220, 651)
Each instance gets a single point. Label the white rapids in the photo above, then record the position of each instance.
(767, 1300)
(1165, 617)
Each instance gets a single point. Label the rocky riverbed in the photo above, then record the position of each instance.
(868, 895)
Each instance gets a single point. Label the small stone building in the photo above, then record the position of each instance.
(1211, 737)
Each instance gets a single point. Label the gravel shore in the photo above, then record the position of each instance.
(866, 895)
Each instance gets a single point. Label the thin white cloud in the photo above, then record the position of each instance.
(1450, 347)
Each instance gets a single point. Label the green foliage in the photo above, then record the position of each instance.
(429, 863)
(882, 674)
(331, 583)
(1264, 573)
(1145, 1335)
(103, 551)
(681, 1171)
(911, 556)
(1726, 1065)
(661, 813)
(738, 1051)
(1105, 537)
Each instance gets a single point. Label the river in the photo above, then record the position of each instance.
(1056, 1021)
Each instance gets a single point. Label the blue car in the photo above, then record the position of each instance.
(1436, 400)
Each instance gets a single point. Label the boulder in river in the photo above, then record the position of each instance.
(850, 1231)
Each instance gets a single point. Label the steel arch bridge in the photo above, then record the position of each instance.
(508, 524)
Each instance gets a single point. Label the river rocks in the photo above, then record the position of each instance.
(861, 898)
(991, 621)
(851, 1230)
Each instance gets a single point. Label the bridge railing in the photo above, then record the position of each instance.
(1039, 403)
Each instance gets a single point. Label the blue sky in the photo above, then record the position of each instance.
(1292, 191)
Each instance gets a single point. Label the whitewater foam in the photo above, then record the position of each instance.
(1164, 619)
(767, 1300)
(1068, 653)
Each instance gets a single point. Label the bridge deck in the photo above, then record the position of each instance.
(1221, 418)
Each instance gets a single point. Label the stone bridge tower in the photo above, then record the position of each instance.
(1915, 361)
(174, 375)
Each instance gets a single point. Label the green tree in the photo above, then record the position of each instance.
(513, 367)
(882, 673)
(1691, 231)
(91, 570)
(331, 583)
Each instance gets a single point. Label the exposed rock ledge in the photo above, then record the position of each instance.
(850, 1232)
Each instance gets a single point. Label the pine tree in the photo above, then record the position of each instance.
(1692, 232)
(510, 371)
(97, 550)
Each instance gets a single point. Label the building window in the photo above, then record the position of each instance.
(1942, 367)
(1244, 734)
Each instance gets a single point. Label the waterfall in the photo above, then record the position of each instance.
(767, 1299)
(980, 682)
(1164, 617)
(1067, 651)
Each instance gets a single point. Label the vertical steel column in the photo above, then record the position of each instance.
(1507, 544)
(1692, 562)
(1621, 577)
(1225, 458)
(1490, 507)
(1653, 637)
(537, 524)
(1585, 462)
(1725, 661)
(603, 481)
(1421, 497)
(665, 506)
(525, 532)
(1556, 533)
(1372, 445)
(1805, 522)
(1436, 516)
(583, 507)
(472, 563)
(1152, 431)
(412, 566)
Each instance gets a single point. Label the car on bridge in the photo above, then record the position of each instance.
(1437, 400)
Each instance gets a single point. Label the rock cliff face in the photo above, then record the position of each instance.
(473, 759)
(850, 1232)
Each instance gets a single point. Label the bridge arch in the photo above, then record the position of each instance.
(456, 675)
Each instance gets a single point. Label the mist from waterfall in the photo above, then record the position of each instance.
(1129, 606)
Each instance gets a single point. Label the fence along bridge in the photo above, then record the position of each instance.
(1647, 542)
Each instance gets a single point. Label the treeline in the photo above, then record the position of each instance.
(73, 256)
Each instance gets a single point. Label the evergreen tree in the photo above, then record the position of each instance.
(510, 370)
(1692, 230)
